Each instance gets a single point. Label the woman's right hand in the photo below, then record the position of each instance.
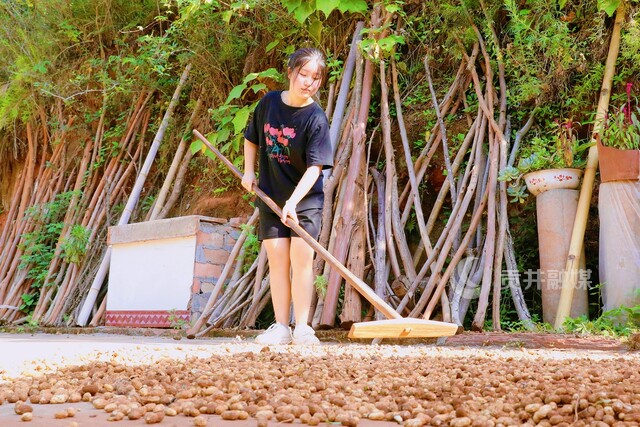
(248, 181)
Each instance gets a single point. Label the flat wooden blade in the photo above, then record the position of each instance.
(402, 328)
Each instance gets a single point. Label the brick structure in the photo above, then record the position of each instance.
(214, 242)
(162, 272)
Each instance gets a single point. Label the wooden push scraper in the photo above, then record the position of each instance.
(396, 326)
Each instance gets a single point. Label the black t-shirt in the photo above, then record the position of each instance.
(289, 140)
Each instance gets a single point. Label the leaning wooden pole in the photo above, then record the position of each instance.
(175, 164)
(341, 102)
(92, 295)
(580, 224)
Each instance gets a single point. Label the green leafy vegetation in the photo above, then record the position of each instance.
(251, 245)
(74, 246)
(621, 321)
(621, 129)
(231, 119)
(175, 321)
(39, 245)
(320, 283)
(311, 14)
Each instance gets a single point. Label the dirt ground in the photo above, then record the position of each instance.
(473, 383)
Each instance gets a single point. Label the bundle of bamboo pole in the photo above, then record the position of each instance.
(95, 186)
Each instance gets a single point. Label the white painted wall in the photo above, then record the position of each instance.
(151, 275)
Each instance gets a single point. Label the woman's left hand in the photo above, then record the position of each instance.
(289, 210)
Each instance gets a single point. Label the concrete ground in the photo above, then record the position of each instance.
(27, 354)
(36, 354)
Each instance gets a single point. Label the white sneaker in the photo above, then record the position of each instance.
(304, 334)
(276, 334)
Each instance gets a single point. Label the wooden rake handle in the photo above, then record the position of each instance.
(352, 279)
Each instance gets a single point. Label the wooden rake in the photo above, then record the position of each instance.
(395, 327)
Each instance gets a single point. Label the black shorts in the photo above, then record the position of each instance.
(271, 227)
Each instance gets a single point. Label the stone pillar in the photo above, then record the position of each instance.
(556, 212)
(619, 212)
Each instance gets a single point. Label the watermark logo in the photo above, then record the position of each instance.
(466, 279)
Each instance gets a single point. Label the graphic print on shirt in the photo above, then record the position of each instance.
(278, 142)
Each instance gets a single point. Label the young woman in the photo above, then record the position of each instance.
(289, 136)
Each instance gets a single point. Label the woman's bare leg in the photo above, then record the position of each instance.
(302, 279)
(279, 276)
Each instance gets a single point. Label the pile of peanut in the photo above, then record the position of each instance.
(282, 387)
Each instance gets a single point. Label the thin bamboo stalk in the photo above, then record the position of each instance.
(54, 314)
(514, 284)
(392, 213)
(451, 228)
(29, 167)
(473, 282)
(429, 149)
(494, 140)
(457, 285)
(67, 223)
(341, 102)
(456, 258)
(570, 279)
(251, 315)
(446, 310)
(330, 247)
(13, 296)
(489, 249)
(415, 191)
(95, 321)
(115, 165)
(352, 306)
(262, 268)
(176, 191)
(13, 207)
(503, 146)
(7, 232)
(443, 130)
(516, 143)
(331, 98)
(240, 300)
(233, 295)
(380, 273)
(173, 169)
(502, 231)
(237, 269)
(437, 205)
(443, 254)
(26, 226)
